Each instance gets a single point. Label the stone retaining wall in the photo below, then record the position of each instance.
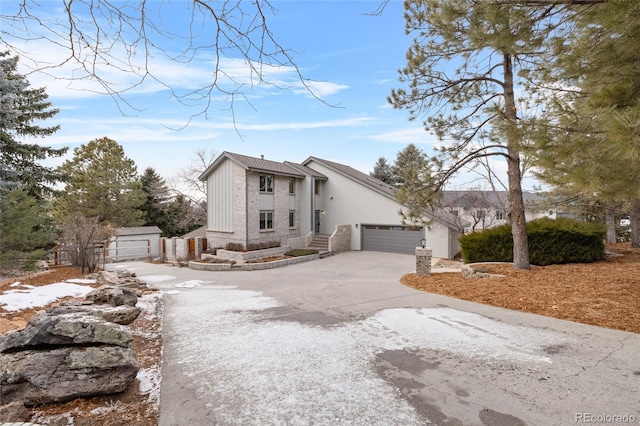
(243, 256)
(203, 266)
(277, 263)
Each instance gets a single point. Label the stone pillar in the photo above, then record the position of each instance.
(170, 247)
(423, 261)
(182, 249)
(198, 252)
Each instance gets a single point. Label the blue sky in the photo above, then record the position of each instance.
(352, 57)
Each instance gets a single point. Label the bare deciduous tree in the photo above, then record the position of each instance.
(100, 39)
(187, 179)
(83, 238)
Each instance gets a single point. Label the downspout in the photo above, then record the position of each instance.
(313, 205)
(246, 208)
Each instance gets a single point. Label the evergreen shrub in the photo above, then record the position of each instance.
(551, 241)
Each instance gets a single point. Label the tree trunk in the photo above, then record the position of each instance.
(610, 223)
(634, 219)
(516, 203)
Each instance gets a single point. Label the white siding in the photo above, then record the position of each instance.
(305, 192)
(346, 202)
(220, 191)
(437, 236)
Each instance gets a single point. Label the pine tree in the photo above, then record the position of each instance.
(460, 73)
(184, 216)
(21, 108)
(25, 229)
(409, 160)
(590, 142)
(102, 182)
(382, 171)
(157, 200)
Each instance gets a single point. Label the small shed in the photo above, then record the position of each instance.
(134, 243)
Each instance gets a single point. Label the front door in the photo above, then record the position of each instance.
(316, 222)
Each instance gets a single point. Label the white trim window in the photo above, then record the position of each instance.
(292, 186)
(266, 220)
(292, 218)
(266, 184)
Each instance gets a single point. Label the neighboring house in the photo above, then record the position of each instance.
(252, 200)
(486, 209)
(137, 242)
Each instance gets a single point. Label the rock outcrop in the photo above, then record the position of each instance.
(76, 349)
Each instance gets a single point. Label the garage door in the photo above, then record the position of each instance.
(394, 239)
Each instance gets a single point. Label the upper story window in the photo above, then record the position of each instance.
(292, 186)
(266, 183)
(317, 187)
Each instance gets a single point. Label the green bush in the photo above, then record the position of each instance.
(551, 241)
(301, 252)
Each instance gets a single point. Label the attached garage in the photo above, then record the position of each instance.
(391, 238)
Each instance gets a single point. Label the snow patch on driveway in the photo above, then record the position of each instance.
(249, 370)
(461, 332)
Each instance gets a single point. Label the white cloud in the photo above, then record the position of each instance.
(416, 135)
(320, 89)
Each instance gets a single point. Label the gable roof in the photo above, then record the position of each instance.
(306, 170)
(253, 164)
(484, 199)
(356, 175)
(138, 230)
(380, 187)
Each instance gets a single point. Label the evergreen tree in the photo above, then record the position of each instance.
(590, 142)
(460, 74)
(184, 216)
(409, 160)
(25, 230)
(102, 182)
(21, 108)
(157, 200)
(382, 171)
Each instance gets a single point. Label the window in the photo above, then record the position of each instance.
(292, 219)
(292, 186)
(266, 220)
(499, 215)
(317, 187)
(480, 214)
(266, 183)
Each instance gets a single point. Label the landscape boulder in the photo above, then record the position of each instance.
(34, 377)
(14, 412)
(123, 314)
(76, 349)
(114, 296)
(73, 329)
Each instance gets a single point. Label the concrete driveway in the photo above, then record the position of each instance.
(339, 341)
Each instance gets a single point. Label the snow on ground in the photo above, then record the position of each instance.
(261, 371)
(190, 284)
(461, 332)
(33, 297)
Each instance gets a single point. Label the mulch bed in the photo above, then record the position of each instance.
(605, 294)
